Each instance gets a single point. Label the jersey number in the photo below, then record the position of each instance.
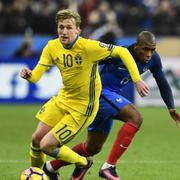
(63, 133)
(68, 60)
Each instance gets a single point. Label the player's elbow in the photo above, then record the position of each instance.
(125, 51)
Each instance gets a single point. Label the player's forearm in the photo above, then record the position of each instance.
(166, 92)
(37, 73)
(129, 62)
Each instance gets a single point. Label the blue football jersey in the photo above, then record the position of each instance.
(114, 75)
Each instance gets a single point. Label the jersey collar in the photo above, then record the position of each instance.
(71, 45)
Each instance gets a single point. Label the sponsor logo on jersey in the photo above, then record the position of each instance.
(57, 60)
(78, 59)
(42, 110)
(119, 100)
(121, 68)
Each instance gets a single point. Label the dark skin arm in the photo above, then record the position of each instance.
(175, 116)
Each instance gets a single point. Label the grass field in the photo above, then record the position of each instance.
(153, 155)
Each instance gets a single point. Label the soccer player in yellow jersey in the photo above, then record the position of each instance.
(74, 108)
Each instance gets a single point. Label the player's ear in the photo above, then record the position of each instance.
(78, 30)
(135, 47)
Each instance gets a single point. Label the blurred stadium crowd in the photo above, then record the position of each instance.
(124, 16)
(27, 25)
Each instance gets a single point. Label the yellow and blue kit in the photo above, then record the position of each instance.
(79, 97)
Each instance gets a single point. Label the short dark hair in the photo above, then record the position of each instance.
(146, 36)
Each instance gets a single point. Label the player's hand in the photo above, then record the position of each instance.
(142, 88)
(175, 116)
(25, 73)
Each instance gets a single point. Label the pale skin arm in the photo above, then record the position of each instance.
(34, 75)
(26, 73)
(142, 88)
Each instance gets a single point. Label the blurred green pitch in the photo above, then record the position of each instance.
(153, 155)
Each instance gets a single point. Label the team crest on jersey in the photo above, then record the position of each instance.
(78, 59)
(145, 69)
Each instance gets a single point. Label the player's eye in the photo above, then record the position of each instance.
(69, 27)
(61, 27)
(148, 49)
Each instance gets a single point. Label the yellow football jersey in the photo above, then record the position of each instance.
(78, 66)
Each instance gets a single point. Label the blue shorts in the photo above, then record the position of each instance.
(109, 106)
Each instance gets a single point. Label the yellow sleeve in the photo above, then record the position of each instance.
(43, 65)
(97, 51)
(128, 61)
(46, 58)
(37, 73)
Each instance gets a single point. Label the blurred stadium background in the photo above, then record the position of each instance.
(27, 25)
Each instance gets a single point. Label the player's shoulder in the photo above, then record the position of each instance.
(53, 41)
(156, 56)
(89, 43)
(155, 60)
(83, 40)
(156, 53)
(53, 45)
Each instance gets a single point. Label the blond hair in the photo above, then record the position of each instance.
(67, 14)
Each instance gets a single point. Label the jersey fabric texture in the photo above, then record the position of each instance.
(78, 68)
(114, 77)
(66, 124)
(77, 103)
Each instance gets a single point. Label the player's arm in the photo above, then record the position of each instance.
(167, 96)
(97, 51)
(165, 89)
(44, 64)
(34, 75)
(129, 62)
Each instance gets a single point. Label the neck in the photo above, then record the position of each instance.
(69, 46)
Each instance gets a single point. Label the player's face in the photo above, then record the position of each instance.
(67, 31)
(144, 52)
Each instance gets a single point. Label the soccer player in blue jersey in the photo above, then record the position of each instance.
(64, 116)
(113, 105)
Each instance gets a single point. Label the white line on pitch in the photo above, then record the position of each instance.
(121, 162)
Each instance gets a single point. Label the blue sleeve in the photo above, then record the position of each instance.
(164, 87)
(166, 92)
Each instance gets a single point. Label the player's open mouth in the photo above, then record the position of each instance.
(64, 38)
